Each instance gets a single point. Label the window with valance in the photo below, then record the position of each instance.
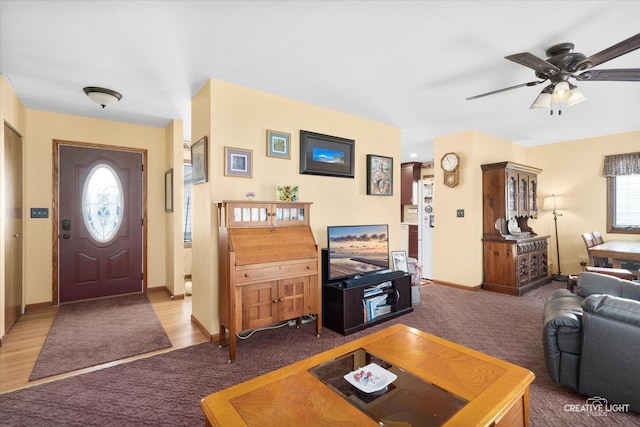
(623, 192)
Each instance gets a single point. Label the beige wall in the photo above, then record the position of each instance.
(239, 117)
(572, 169)
(174, 220)
(39, 129)
(458, 258)
(42, 129)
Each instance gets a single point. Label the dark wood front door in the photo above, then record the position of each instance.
(100, 222)
(13, 227)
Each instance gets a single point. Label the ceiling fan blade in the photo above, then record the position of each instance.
(625, 46)
(617, 75)
(538, 64)
(505, 89)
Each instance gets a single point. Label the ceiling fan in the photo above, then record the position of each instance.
(563, 64)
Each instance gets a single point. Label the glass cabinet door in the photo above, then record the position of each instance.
(248, 214)
(290, 214)
(256, 214)
(523, 190)
(533, 196)
(512, 195)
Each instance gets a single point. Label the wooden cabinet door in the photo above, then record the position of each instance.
(413, 241)
(523, 269)
(266, 303)
(292, 297)
(409, 176)
(259, 305)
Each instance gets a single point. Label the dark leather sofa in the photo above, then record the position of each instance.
(591, 339)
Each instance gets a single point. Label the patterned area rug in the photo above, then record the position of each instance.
(94, 332)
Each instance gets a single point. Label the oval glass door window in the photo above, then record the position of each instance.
(102, 203)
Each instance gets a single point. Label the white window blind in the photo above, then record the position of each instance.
(627, 201)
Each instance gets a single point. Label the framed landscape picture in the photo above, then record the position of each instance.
(326, 155)
(379, 175)
(199, 160)
(238, 162)
(278, 144)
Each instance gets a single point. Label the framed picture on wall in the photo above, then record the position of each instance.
(379, 175)
(199, 160)
(278, 144)
(238, 162)
(326, 155)
(168, 191)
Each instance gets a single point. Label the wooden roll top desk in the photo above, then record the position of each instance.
(269, 267)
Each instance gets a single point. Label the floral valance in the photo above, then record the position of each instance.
(622, 164)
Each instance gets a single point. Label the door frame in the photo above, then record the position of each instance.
(55, 297)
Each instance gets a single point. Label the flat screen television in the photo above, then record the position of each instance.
(356, 250)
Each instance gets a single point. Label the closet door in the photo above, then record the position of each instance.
(13, 227)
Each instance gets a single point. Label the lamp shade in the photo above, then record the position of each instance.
(551, 203)
(102, 96)
(576, 97)
(561, 92)
(542, 101)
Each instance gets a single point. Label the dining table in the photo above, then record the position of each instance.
(618, 252)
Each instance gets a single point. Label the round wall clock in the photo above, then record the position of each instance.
(450, 163)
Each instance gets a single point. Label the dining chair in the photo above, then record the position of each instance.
(597, 237)
(590, 241)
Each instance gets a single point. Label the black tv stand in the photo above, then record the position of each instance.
(372, 278)
(352, 307)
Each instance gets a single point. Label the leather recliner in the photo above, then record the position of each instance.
(591, 339)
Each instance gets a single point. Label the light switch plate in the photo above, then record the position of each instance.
(39, 212)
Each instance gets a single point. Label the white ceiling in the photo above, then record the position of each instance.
(406, 63)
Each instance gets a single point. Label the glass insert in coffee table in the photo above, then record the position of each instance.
(405, 399)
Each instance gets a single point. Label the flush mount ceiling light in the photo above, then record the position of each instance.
(102, 96)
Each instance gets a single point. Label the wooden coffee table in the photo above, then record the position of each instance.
(473, 389)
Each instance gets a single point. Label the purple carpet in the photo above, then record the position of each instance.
(165, 390)
(93, 332)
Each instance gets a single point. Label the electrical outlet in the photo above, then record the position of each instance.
(582, 259)
(460, 213)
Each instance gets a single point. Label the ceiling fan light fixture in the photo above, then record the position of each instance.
(561, 92)
(576, 97)
(102, 96)
(542, 101)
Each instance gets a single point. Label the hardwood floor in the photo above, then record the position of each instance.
(22, 344)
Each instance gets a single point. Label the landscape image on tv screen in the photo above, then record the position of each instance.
(359, 249)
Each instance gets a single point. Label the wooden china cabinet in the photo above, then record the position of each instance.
(269, 266)
(515, 257)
